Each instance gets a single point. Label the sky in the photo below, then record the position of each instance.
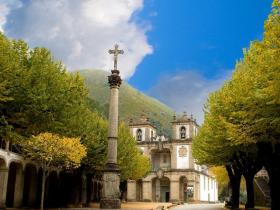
(177, 51)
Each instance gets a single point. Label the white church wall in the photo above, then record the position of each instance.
(182, 157)
(203, 188)
(212, 190)
(208, 189)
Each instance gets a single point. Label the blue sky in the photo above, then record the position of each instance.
(206, 36)
(177, 51)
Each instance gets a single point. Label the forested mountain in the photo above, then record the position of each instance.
(133, 103)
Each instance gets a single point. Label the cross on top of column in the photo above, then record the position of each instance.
(116, 52)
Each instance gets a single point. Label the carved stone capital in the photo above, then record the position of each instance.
(114, 79)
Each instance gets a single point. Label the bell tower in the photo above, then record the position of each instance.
(184, 127)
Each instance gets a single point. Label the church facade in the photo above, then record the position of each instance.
(174, 176)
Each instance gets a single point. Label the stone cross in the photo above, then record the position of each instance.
(116, 52)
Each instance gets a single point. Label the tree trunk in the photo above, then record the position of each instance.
(236, 192)
(250, 191)
(43, 189)
(274, 182)
(235, 178)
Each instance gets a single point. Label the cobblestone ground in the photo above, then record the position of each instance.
(199, 207)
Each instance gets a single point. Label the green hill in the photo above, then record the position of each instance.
(133, 103)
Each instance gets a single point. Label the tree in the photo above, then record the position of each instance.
(212, 146)
(253, 100)
(37, 93)
(53, 151)
(248, 106)
(133, 164)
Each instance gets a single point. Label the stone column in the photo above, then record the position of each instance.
(33, 188)
(174, 191)
(131, 190)
(4, 173)
(111, 179)
(84, 190)
(18, 196)
(147, 191)
(191, 160)
(174, 157)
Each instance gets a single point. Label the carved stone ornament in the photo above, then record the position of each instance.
(160, 173)
(114, 80)
(182, 151)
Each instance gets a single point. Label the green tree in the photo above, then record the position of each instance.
(53, 151)
(249, 107)
(133, 164)
(38, 93)
(212, 146)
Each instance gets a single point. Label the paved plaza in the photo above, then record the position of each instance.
(199, 207)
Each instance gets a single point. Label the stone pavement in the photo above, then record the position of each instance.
(199, 207)
(138, 205)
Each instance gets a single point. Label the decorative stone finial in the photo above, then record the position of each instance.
(174, 116)
(114, 79)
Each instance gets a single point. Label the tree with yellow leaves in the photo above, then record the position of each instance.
(53, 151)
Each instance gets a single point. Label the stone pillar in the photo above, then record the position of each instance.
(191, 160)
(174, 191)
(113, 125)
(18, 196)
(197, 188)
(111, 179)
(84, 190)
(174, 157)
(131, 190)
(4, 173)
(33, 188)
(147, 191)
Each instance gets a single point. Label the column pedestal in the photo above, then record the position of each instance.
(131, 190)
(110, 191)
(147, 191)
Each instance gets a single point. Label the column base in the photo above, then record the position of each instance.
(111, 167)
(110, 203)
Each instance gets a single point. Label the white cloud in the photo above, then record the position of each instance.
(5, 8)
(81, 32)
(186, 91)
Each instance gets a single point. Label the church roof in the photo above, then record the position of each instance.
(141, 121)
(184, 118)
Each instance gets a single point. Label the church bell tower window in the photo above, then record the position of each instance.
(139, 135)
(183, 132)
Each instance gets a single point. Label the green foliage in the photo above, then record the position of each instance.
(39, 94)
(132, 163)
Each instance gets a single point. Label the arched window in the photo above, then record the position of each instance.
(139, 135)
(183, 132)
